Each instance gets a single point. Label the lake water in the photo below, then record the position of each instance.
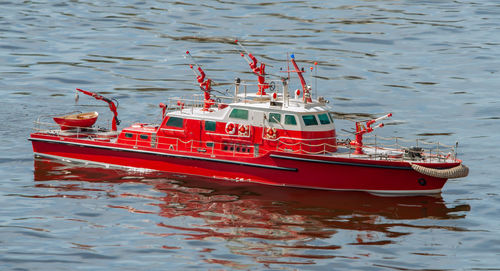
(433, 64)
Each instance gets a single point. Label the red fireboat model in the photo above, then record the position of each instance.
(274, 137)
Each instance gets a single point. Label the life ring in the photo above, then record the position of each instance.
(230, 128)
(244, 129)
(271, 132)
(272, 86)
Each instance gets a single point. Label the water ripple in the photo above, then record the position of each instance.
(433, 64)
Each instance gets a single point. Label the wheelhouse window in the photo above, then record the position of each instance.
(175, 122)
(210, 126)
(290, 120)
(274, 118)
(324, 119)
(239, 114)
(144, 137)
(310, 120)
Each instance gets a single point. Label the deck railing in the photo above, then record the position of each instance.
(243, 95)
(381, 147)
(185, 105)
(375, 147)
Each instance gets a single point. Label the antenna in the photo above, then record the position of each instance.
(192, 58)
(288, 65)
(316, 79)
(312, 68)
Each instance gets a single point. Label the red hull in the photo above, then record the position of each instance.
(274, 168)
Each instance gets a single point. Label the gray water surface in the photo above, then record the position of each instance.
(433, 64)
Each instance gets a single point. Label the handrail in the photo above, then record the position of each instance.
(192, 145)
(303, 139)
(173, 130)
(38, 124)
(57, 115)
(229, 135)
(382, 147)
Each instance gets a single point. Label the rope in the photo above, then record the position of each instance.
(449, 173)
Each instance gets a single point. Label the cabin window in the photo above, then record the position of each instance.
(323, 118)
(274, 118)
(310, 120)
(290, 120)
(209, 144)
(175, 122)
(239, 114)
(144, 137)
(128, 135)
(210, 126)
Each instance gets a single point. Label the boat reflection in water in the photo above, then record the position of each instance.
(268, 224)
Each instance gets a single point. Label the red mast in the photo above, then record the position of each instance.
(259, 71)
(307, 95)
(205, 85)
(111, 104)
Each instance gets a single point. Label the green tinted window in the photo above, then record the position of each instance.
(274, 117)
(129, 135)
(210, 126)
(323, 118)
(175, 122)
(144, 137)
(290, 120)
(239, 114)
(310, 120)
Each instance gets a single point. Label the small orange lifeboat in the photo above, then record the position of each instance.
(80, 120)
